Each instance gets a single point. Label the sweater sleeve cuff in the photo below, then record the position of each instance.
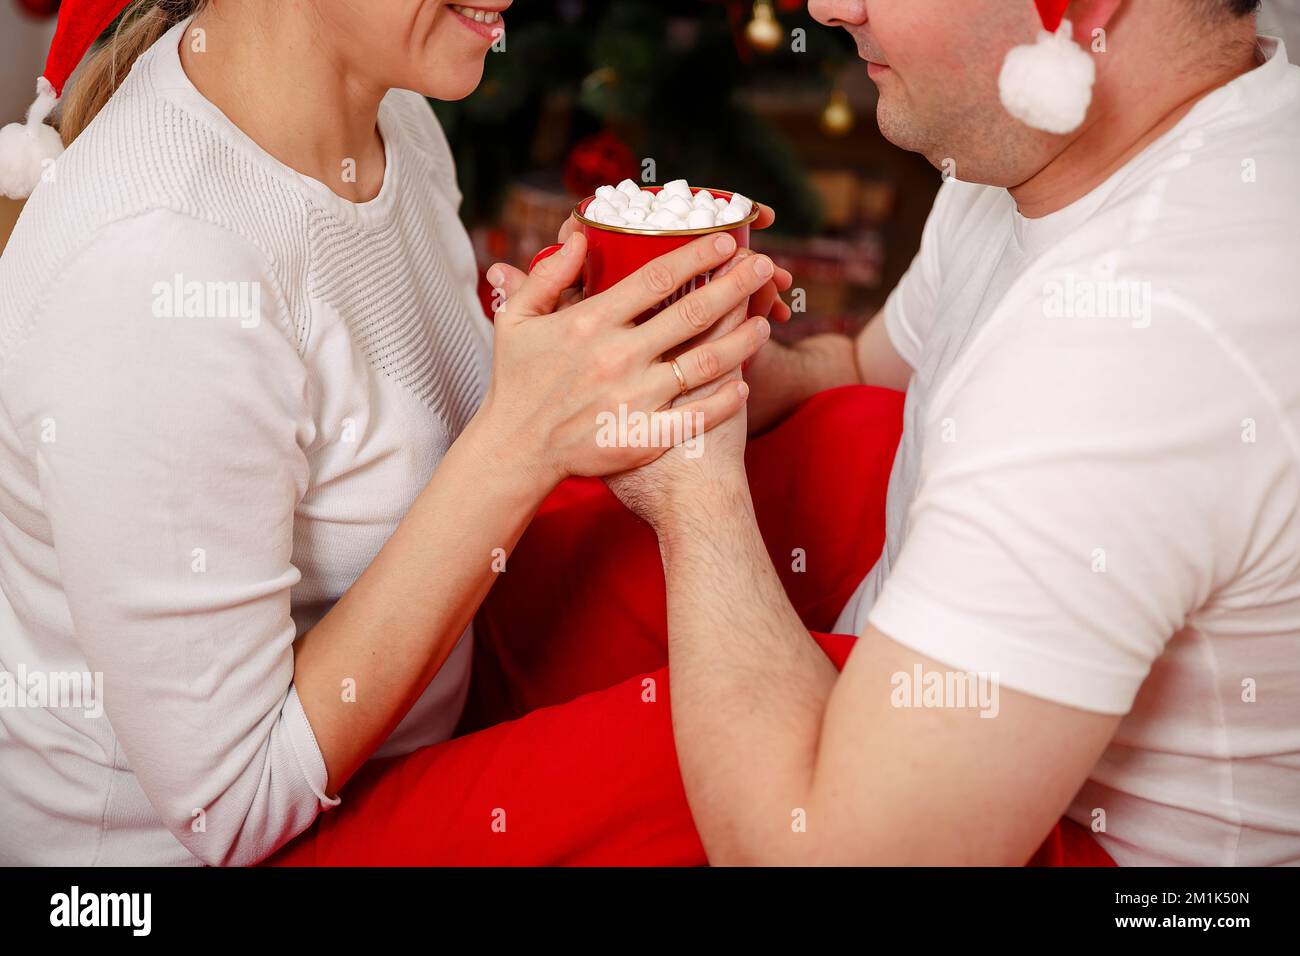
(306, 750)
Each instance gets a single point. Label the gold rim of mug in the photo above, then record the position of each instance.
(725, 227)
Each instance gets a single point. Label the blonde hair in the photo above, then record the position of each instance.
(139, 26)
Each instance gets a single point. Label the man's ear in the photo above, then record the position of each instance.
(1088, 16)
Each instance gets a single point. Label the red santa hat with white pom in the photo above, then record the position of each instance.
(26, 148)
(1048, 84)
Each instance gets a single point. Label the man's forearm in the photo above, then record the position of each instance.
(749, 686)
(826, 361)
(830, 360)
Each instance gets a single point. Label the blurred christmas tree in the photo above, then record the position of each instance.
(595, 89)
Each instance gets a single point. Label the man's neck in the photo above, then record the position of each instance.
(1116, 134)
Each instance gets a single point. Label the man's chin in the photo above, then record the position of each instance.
(897, 128)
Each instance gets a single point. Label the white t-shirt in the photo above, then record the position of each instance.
(221, 388)
(1097, 493)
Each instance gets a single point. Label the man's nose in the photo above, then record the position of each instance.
(835, 13)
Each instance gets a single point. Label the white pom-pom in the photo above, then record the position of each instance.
(27, 148)
(1048, 84)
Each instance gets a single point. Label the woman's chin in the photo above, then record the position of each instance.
(452, 88)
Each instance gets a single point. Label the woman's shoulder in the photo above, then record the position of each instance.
(151, 148)
(142, 161)
(130, 272)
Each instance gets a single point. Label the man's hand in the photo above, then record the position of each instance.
(655, 490)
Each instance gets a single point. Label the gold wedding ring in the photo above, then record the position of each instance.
(681, 379)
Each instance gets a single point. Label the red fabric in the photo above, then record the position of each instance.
(485, 295)
(80, 24)
(1070, 845)
(1051, 12)
(567, 736)
(588, 568)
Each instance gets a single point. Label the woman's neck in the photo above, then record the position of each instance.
(273, 72)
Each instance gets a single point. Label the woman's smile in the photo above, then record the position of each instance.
(485, 21)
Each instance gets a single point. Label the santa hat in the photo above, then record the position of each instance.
(1048, 84)
(25, 148)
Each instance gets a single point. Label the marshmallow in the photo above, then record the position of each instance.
(672, 208)
(678, 206)
(678, 187)
(701, 219)
(597, 208)
(742, 204)
(663, 219)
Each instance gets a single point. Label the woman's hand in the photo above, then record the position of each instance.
(766, 301)
(557, 374)
(655, 490)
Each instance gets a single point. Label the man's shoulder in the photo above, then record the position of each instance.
(1199, 225)
(1224, 172)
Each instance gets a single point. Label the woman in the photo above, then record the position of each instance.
(259, 460)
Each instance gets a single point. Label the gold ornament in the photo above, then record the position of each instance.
(837, 117)
(763, 32)
(604, 76)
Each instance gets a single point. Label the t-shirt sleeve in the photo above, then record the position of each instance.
(1072, 507)
(166, 413)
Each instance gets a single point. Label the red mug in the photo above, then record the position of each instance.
(615, 252)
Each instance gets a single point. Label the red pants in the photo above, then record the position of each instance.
(565, 754)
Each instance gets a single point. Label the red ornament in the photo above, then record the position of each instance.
(38, 9)
(597, 160)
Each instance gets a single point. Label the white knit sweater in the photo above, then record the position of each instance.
(221, 387)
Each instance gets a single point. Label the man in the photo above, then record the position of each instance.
(1089, 597)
